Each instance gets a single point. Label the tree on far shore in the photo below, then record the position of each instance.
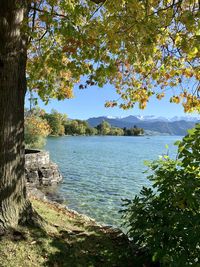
(103, 128)
(56, 122)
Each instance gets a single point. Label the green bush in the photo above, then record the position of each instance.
(165, 220)
(36, 130)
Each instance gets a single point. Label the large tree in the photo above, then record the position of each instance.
(13, 56)
(141, 47)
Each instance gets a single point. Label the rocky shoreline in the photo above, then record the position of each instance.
(42, 177)
(116, 233)
(39, 170)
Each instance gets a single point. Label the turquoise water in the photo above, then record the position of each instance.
(99, 171)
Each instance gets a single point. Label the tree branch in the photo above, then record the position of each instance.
(97, 9)
(98, 1)
(50, 14)
(33, 23)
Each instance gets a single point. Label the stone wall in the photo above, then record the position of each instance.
(39, 170)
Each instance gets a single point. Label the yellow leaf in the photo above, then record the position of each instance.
(193, 52)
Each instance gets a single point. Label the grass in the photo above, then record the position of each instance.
(66, 240)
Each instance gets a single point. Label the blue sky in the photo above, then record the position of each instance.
(90, 103)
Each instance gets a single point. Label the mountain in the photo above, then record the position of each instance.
(151, 118)
(185, 118)
(128, 122)
(174, 126)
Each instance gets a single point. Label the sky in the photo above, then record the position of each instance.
(90, 102)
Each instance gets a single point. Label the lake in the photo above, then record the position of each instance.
(99, 171)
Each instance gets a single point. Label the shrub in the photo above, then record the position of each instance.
(165, 219)
(36, 129)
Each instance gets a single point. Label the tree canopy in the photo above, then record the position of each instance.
(143, 48)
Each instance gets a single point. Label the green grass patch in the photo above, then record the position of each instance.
(66, 240)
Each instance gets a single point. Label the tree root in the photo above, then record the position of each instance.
(29, 217)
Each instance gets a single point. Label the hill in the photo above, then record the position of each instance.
(174, 126)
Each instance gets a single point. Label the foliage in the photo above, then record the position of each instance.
(116, 131)
(36, 129)
(78, 127)
(166, 220)
(104, 128)
(36, 111)
(142, 47)
(56, 122)
(135, 131)
(91, 131)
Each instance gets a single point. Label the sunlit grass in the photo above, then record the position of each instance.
(67, 239)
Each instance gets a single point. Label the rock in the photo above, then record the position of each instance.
(39, 170)
(36, 157)
(36, 193)
(32, 176)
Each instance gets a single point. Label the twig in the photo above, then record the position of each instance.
(33, 23)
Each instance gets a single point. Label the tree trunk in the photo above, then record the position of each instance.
(13, 52)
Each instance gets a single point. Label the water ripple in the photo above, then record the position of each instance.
(100, 171)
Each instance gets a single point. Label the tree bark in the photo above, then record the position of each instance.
(13, 54)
